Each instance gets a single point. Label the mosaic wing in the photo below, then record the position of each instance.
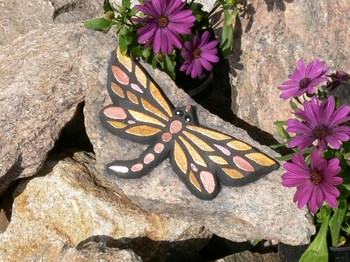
(205, 159)
(140, 110)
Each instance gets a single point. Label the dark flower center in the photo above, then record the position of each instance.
(304, 82)
(196, 53)
(321, 132)
(315, 178)
(163, 21)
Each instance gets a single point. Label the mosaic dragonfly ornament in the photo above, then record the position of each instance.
(203, 158)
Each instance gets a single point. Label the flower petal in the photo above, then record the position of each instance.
(303, 194)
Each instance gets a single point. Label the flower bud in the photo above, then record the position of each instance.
(110, 15)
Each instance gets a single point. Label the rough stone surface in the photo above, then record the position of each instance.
(56, 250)
(65, 202)
(43, 79)
(249, 256)
(67, 11)
(269, 44)
(259, 210)
(18, 17)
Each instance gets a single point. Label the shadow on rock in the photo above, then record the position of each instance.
(277, 4)
(194, 250)
(151, 250)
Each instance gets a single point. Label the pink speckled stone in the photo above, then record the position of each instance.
(115, 112)
(136, 167)
(136, 88)
(175, 126)
(148, 158)
(208, 181)
(194, 167)
(120, 75)
(158, 148)
(166, 137)
(243, 164)
(223, 149)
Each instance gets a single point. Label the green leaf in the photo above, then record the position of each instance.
(293, 105)
(231, 17)
(280, 123)
(198, 12)
(347, 155)
(277, 146)
(284, 158)
(124, 41)
(231, 2)
(346, 186)
(98, 23)
(133, 11)
(107, 6)
(154, 61)
(222, 2)
(318, 249)
(255, 241)
(336, 221)
(226, 36)
(169, 66)
(136, 51)
(146, 53)
(281, 130)
(126, 3)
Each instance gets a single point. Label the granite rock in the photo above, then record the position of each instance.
(251, 257)
(57, 250)
(67, 11)
(18, 17)
(44, 76)
(66, 203)
(271, 36)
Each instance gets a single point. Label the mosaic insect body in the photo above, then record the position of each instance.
(202, 157)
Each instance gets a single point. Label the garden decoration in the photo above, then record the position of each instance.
(203, 158)
(320, 166)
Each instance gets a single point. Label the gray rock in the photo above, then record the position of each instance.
(57, 250)
(259, 210)
(18, 17)
(269, 45)
(251, 257)
(67, 11)
(67, 203)
(44, 76)
(287, 253)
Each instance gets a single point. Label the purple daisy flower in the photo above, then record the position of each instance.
(316, 183)
(166, 20)
(321, 122)
(338, 78)
(199, 54)
(304, 79)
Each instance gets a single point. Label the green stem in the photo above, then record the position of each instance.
(318, 249)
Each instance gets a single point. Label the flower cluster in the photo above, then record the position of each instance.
(173, 35)
(165, 22)
(319, 135)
